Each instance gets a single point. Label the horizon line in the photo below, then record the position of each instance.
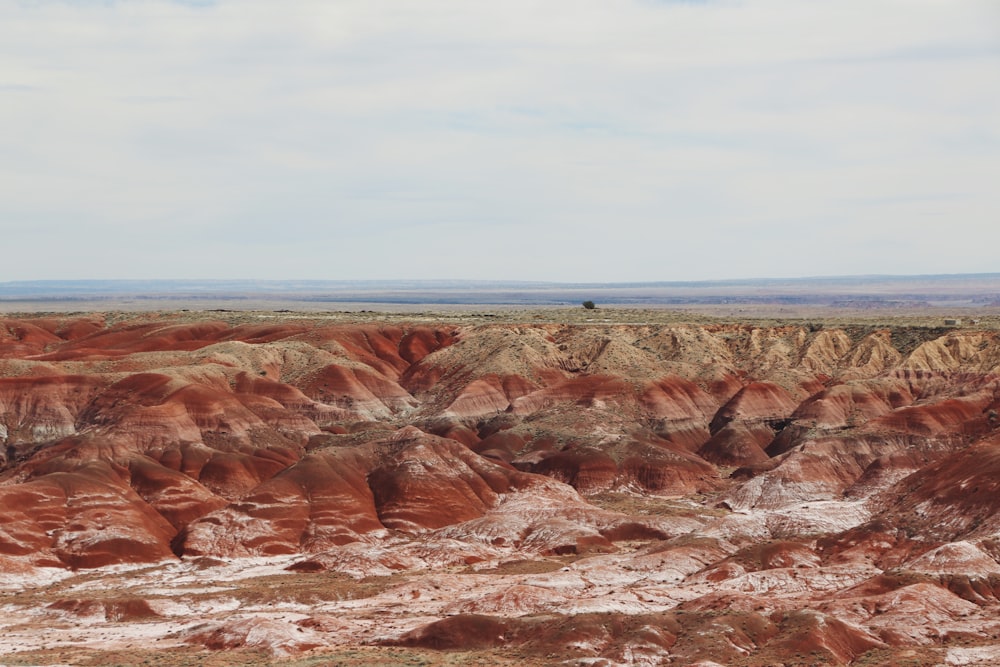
(501, 281)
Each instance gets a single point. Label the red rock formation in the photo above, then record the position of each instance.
(853, 403)
(658, 466)
(322, 502)
(28, 337)
(955, 498)
(174, 495)
(436, 482)
(675, 398)
(411, 482)
(84, 514)
(278, 638)
(823, 637)
(359, 390)
(581, 636)
(586, 392)
(738, 444)
(40, 409)
(757, 401)
(860, 519)
(587, 469)
(489, 395)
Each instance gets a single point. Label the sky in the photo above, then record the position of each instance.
(556, 140)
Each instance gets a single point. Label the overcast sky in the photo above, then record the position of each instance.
(564, 140)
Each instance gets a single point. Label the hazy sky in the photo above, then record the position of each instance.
(566, 140)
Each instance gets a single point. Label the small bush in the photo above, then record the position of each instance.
(589, 305)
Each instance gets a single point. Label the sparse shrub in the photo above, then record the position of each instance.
(589, 305)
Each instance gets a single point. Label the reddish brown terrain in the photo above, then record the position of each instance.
(184, 491)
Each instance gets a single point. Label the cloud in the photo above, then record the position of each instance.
(557, 140)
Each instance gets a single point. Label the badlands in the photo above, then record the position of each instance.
(273, 488)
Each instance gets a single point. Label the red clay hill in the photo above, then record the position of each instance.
(676, 494)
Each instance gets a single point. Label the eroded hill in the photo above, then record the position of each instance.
(540, 493)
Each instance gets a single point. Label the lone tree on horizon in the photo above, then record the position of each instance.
(589, 305)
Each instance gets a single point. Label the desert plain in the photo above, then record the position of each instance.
(557, 486)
